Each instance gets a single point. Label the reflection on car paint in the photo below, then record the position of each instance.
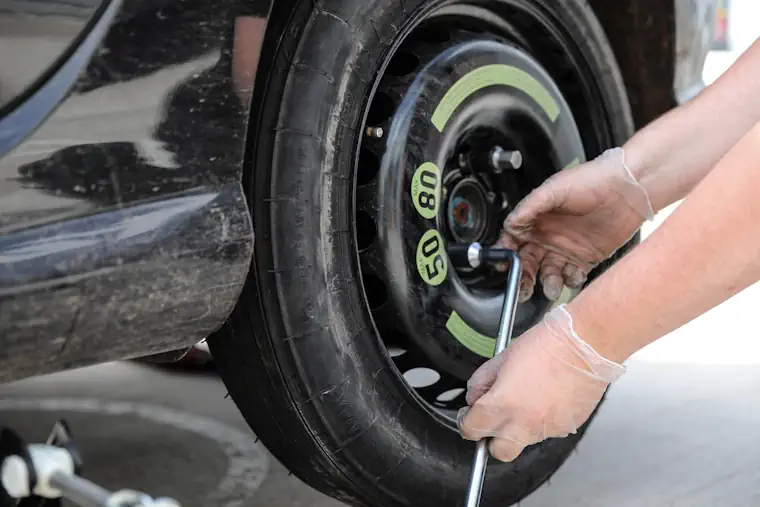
(33, 36)
(123, 220)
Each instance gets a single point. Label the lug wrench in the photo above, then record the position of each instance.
(474, 256)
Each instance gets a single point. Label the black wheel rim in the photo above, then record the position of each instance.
(424, 337)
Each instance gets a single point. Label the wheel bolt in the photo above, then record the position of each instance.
(502, 159)
(462, 160)
(376, 132)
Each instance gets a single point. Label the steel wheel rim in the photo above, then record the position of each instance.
(436, 388)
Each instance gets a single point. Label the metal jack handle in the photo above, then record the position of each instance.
(476, 255)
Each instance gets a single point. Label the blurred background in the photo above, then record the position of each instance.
(682, 428)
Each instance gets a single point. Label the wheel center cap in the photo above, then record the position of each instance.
(468, 211)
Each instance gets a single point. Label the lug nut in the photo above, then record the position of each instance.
(376, 132)
(502, 160)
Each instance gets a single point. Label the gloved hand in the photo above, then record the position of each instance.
(545, 385)
(575, 220)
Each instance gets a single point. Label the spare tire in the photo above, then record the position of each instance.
(347, 353)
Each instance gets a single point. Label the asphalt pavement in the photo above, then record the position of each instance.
(161, 431)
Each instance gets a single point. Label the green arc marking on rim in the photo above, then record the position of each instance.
(576, 161)
(478, 343)
(491, 75)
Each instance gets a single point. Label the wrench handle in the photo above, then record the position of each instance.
(506, 325)
(507, 322)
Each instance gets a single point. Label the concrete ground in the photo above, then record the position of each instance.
(680, 429)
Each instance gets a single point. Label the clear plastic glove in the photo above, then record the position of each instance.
(575, 220)
(545, 385)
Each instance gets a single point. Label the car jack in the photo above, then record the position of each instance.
(41, 475)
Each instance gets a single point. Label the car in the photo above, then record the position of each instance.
(282, 179)
(722, 40)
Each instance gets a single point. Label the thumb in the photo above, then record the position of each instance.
(541, 200)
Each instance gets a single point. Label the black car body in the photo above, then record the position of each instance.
(123, 216)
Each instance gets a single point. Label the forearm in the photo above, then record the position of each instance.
(672, 154)
(707, 251)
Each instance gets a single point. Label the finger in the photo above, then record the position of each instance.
(531, 255)
(551, 275)
(541, 200)
(483, 378)
(526, 291)
(505, 449)
(480, 421)
(461, 413)
(511, 439)
(508, 241)
(574, 276)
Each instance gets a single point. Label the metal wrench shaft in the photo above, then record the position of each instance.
(478, 474)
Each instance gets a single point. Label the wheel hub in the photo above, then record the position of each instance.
(476, 194)
(468, 211)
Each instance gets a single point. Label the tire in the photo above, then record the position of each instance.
(300, 354)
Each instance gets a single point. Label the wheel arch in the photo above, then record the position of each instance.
(660, 48)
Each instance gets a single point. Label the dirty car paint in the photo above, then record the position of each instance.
(124, 228)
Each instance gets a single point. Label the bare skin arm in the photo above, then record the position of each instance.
(706, 252)
(672, 154)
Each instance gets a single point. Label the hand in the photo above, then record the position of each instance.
(545, 385)
(575, 220)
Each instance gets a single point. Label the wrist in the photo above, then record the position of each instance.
(598, 333)
(630, 187)
(647, 172)
(584, 356)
